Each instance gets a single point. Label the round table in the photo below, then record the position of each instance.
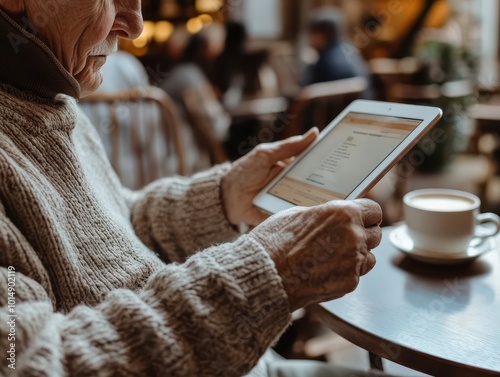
(440, 320)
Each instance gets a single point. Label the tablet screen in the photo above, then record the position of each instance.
(343, 158)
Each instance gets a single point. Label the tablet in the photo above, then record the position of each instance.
(350, 155)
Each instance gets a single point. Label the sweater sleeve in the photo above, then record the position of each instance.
(175, 326)
(178, 216)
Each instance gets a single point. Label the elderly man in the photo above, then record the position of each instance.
(100, 281)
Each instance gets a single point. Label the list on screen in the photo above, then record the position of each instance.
(343, 158)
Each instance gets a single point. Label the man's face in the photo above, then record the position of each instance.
(81, 33)
(317, 40)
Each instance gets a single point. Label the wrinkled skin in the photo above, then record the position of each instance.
(80, 33)
(319, 252)
(251, 173)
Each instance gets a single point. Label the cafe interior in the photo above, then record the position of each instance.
(208, 80)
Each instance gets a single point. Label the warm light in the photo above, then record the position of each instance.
(169, 9)
(149, 29)
(140, 41)
(146, 35)
(163, 31)
(194, 25)
(141, 51)
(130, 47)
(208, 6)
(206, 19)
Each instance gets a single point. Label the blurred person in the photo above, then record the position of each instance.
(174, 47)
(177, 42)
(191, 73)
(196, 61)
(236, 71)
(337, 57)
(227, 75)
(236, 76)
(156, 282)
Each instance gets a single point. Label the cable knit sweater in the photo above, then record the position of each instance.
(104, 281)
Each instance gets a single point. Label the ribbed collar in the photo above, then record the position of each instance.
(27, 64)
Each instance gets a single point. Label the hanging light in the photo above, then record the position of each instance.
(206, 19)
(163, 31)
(169, 8)
(146, 35)
(208, 6)
(194, 25)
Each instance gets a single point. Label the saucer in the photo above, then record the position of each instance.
(401, 240)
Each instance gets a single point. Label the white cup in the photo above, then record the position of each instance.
(445, 221)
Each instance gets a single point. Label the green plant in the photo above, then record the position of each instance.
(443, 63)
(446, 62)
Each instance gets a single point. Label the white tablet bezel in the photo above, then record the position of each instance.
(429, 116)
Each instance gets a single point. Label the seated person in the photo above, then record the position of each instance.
(192, 74)
(235, 73)
(338, 59)
(157, 282)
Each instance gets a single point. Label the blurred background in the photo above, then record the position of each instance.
(208, 80)
(219, 77)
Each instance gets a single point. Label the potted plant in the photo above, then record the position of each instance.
(452, 68)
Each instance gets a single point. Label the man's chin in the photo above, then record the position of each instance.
(99, 60)
(91, 84)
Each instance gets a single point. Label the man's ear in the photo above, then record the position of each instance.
(13, 6)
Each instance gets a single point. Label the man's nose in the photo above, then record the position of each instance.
(128, 22)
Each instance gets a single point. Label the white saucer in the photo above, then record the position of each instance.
(400, 239)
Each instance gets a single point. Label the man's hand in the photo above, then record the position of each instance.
(320, 252)
(251, 173)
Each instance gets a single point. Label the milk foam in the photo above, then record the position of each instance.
(442, 202)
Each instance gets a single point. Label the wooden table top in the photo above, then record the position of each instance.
(440, 320)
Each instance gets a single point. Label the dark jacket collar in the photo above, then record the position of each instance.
(26, 63)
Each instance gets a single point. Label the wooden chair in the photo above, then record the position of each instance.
(414, 94)
(142, 132)
(199, 105)
(318, 104)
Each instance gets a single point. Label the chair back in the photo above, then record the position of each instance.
(387, 72)
(317, 104)
(141, 130)
(415, 94)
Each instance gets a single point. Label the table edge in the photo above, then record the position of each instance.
(394, 352)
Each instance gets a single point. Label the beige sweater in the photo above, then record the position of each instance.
(99, 279)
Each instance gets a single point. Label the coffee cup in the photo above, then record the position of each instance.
(446, 221)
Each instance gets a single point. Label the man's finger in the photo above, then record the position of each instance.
(373, 237)
(369, 264)
(371, 212)
(293, 145)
